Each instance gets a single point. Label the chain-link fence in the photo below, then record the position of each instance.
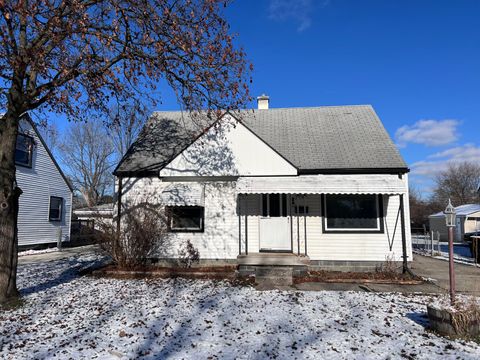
(428, 243)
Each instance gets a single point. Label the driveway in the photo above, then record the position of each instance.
(467, 277)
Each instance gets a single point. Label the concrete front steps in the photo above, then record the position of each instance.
(273, 269)
(274, 275)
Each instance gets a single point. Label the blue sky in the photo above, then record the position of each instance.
(416, 62)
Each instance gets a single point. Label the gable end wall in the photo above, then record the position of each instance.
(38, 183)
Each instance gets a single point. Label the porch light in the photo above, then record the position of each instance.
(450, 214)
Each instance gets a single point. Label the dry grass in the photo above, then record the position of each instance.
(388, 268)
(466, 313)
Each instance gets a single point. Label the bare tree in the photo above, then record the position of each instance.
(86, 150)
(50, 134)
(125, 123)
(75, 57)
(421, 208)
(418, 207)
(459, 182)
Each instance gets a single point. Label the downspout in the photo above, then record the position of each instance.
(404, 238)
(239, 225)
(298, 225)
(305, 221)
(119, 202)
(291, 221)
(246, 230)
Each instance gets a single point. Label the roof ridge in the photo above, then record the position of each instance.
(280, 108)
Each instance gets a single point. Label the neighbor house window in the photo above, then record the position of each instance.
(352, 213)
(23, 150)
(56, 204)
(185, 218)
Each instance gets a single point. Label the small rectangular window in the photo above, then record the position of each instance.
(301, 210)
(264, 205)
(23, 150)
(352, 213)
(56, 204)
(275, 205)
(185, 218)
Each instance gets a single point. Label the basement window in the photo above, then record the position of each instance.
(23, 150)
(185, 218)
(352, 213)
(56, 204)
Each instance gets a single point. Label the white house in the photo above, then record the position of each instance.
(467, 221)
(325, 186)
(46, 201)
(97, 215)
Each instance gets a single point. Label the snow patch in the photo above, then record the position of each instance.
(462, 302)
(37, 252)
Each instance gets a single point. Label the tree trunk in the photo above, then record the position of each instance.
(9, 196)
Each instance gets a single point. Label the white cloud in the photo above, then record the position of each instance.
(298, 10)
(439, 161)
(428, 133)
(467, 152)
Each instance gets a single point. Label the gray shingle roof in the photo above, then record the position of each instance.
(320, 139)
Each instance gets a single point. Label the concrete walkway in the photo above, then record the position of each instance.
(56, 255)
(467, 277)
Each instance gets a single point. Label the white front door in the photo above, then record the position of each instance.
(275, 234)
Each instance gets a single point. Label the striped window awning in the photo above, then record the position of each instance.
(183, 194)
(323, 184)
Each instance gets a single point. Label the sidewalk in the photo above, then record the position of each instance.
(467, 277)
(65, 253)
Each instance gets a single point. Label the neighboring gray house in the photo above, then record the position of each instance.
(46, 201)
(467, 221)
(324, 185)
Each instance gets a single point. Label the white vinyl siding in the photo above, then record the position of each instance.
(355, 246)
(223, 226)
(38, 184)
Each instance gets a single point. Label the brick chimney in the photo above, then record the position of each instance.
(262, 102)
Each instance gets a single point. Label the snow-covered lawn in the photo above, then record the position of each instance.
(66, 316)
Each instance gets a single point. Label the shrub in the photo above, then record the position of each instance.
(143, 228)
(459, 320)
(188, 255)
(388, 267)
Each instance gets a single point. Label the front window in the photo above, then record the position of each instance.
(185, 218)
(56, 204)
(23, 150)
(352, 213)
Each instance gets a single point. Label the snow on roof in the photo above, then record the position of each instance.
(462, 210)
